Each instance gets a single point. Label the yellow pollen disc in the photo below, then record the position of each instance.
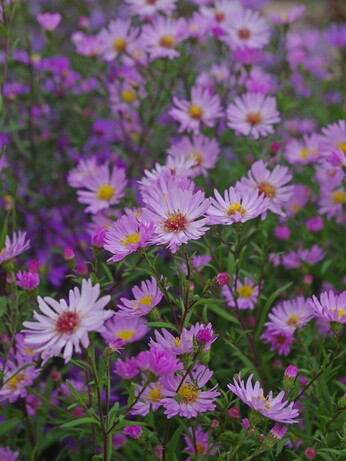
(131, 239)
(234, 208)
(200, 449)
(254, 118)
(283, 16)
(106, 192)
(267, 189)
(342, 146)
(13, 382)
(197, 158)
(126, 335)
(304, 153)
(188, 393)
(195, 112)
(177, 342)
(295, 207)
(128, 96)
(293, 321)
(167, 41)
(340, 312)
(120, 45)
(339, 197)
(28, 351)
(245, 291)
(35, 57)
(155, 395)
(146, 301)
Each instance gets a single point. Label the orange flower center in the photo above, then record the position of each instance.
(244, 33)
(196, 112)
(254, 118)
(167, 41)
(120, 45)
(267, 189)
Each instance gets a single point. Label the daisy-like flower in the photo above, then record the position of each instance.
(161, 38)
(49, 21)
(275, 408)
(176, 216)
(83, 170)
(158, 362)
(220, 12)
(247, 294)
(150, 7)
(16, 380)
(330, 307)
(150, 399)
(199, 443)
(288, 17)
(6, 454)
(290, 314)
(203, 108)
(184, 397)
(176, 345)
(147, 296)
(236, 206)
(253, 114)
(269, 183)
(337, 159)
(332, 201)
(247, 29)
(127, 329)
(116, 39)
(279, 340)
(297, 201)
(65, 326)
(334, 137)
(201, 149)
(13, 248)
(104, 188)
(303, 151)
(126, 235)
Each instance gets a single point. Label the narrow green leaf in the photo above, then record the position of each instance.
(80, 422)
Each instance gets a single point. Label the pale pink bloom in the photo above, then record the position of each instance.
(203, 108)
(275, 408)
(247, 294)
(13, 248)
(313, 255)
(104, 188)
(253, 114)
(117, 39)
(297, 200)
(126, 369)
(197, 262)
(328, 176)
(151, 7)
(259, 81)
(289, 315)
(202, 150)
(221, 12)
(49, 21)
(269, 183)
(334, 137)
(306, 150)
(197, 26)
(127, 329)
(332, 202)
(86, 45)
(147, 296)
(337, 159)
(65, 326)
(288, 17)
(176, 345)
(236, 206)
(150, 399)
(199, 444)
(84, 169)
(329, 307)
(279, 340)
(16, 380)
(247, 29)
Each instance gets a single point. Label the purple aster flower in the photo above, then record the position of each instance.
(290, 314)
(288, 17)
(117, 38)
(329, 307)
(135, 432)
(158, 362)
(16, 380)
(148, 8)
(28, 280)
(146, 297)
(49, 21)
(126, 369)
(150, 399)
(13, 248)
(334, 137)
(280, 340)
(247, 294)
(6, 454)
(128, 329)
(199, 443)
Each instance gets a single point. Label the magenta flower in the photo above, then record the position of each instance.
(49, 21)
(126, 235)
(28, 280)
(158, 362)
(204, 108)
(247, 294)
(269, 183)
(275, 408)
(253, 114)
(127, 329)
(147, 296)
(337, 159)
(288, 17)
(280, 340)
(247, 29)
(13, 248)
(176, 345)
(277, 432)
(236, 206)
(199, 443)
(117, 39)
(150, 399)
(6, 454)
(330, 307)
(126, 369)
(184, 396)
(149, 8)
(134, 432)
(16, 380)
(334, 137)
(161, 38)
(66, 326)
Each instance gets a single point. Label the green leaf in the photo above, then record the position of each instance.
(80, 422)
(162, 325)
(9, 425)
(75, 394)
(222, 313)
(3, 305)
(4, 232)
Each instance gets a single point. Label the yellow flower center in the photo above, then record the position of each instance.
(339, 197)
(293, 321)
(195, 112)
(304, 153)
(146, 301)
(234, 208)
(120, 45)
(177, 342)
(131, 239)
(28, 351)
(13, 382)
(342, 146)
(126, 335)
(197, 158)
(267, 189)
(200, 449)
(155, 395)
(128, 96)
(106, 192)
(295, 207)
(245, 291)
(188, 393)
(167, 41)
(254, 118)
(340, 312)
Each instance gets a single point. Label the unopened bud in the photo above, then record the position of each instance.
(234, 412)
(290, 376)
(310, 453)
(222, 278)
(135, 432)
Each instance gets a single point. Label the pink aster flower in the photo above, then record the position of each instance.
(247, 29)
(203, 108)
(313, 255)
(279, 340)
(146, 8)
(199, 443)
(201, 149)
(16, 380)
(176, 216)
(290, 314)
(126, 235)
(65, 326)
(337, 159)
(247, 294)
(104, 188)
(330, 307)
(6, 454)
(236, 206)
(28, 280)
(147, 296)
(334, 137)
(220, 13)
(275, 408)
(184, 396)
(127, 329)
(288, 17)
(126, 369)
(117, 38)
(306, 150)
(13, 248)
(253, 114)
(332, 202)
(135, 432)
(83, 170)
(161, 38)
(86, 45)
(158, 362)
(49, 21)
(176, 345)
(150, 399)
(269, 183)
(298, 199)
(197, 262)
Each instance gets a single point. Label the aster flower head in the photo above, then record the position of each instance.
(176, 345)
(185, 397)
(203, 108)
(247, 292)
(149, 8)
(179, 216)
(199, 443)
(158, 362)
(329, 307)
(28, 280)
(288, 17)
(306, 150)
(146, 297)
(126, 369)
(104, 188)
(65, 326)
(290, 314)
(236, 206)
(126, 235)
(270, 183)
(83, 170)
(150, 399)
(247, 29)
(17, 379)
(332, 201)
(6, 454)
(297, 200)
(14, 247)
(203, 151)
(334, 137)
(127, 329)
(49, 21)
(280, 340)
(220, 12)
(117, 38)
(253, 114)
(275, 408)
(337, 159)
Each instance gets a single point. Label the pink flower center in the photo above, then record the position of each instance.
(219, 16)
(254, 118)
(244, 33)
(151, 2)
(175, 222)
(67, 322)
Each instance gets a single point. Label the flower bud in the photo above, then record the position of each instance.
(98, 237)
(68, 254)
(78, 412)
(275, 434)
(290, 376)
(114, 346)
(82, 269)
(154, 315)
(214, 423)
(342, 401)
(205, 335)
(222, 278)
(310, 453)
(135, 432)
(234, 412)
